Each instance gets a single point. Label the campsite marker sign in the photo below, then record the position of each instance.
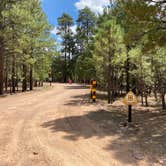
(130, 99)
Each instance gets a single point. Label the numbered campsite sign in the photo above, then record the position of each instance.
(130, 99)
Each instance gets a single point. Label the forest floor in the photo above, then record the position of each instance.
(60, 126)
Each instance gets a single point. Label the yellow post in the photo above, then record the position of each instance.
(93, 90)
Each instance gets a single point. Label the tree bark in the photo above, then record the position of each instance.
(109, 79)
(6, 76)
(1, 68)
(17, 84)
(35, 84)
(24, 83)
(163, 102)
(155, 92)
(65, 73)
(13, 74)
(31, 78)
(10, 86)
(109, 93)
(6, 81)
(146, 100)
(163, 99)
(127, 71)
(142, 98)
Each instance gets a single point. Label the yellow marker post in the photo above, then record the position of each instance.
(93, 90)
(130, 100)
(94, 94)
(94, 82)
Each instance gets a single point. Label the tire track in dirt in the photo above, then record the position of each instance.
(78, 152)
(10, 152)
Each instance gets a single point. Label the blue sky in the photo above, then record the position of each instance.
(55, 8)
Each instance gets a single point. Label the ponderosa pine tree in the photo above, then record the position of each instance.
(108, 49)
(26, 41)
(64, 29)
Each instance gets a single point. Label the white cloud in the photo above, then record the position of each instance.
(59, 39)
(95, 5)
(73, 28)
(54, 31)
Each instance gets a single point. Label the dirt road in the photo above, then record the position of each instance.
(52, 128)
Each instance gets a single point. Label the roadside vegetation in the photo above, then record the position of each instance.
(26, 49)
(123, 49)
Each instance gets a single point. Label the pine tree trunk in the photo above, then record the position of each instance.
(6, 81)
(146, 100)
(142, 98)
(134, 85)
(17, 83)
(109, 80)
(127, 72)
(35, 84)
(112, 84)
(1, 68)
(6, 77)
(24, 83)
(17, 80)
(155, 92)
(109, 93)
(31, 78)
(163, 102)
(10, 86)
(13, 74)
(163, 99)
(65, 73)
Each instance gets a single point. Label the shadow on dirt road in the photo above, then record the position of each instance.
(150, 140)
(142, 139)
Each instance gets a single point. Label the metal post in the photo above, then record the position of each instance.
(130, 113)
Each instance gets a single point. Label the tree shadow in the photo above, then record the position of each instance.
(147, 134)
(85, 99)
(76, 125)
(3, 96)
